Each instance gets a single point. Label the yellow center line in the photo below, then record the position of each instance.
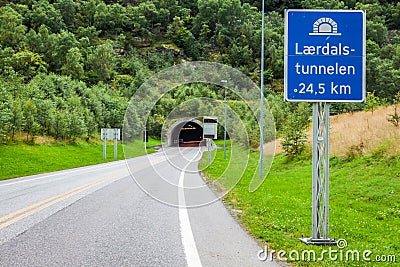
(32, 209)
(9, 216)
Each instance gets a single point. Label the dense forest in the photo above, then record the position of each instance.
(69, 67)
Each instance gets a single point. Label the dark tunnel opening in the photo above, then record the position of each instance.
(190, 134)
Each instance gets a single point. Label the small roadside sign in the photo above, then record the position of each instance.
(110, 134)
(210, 127)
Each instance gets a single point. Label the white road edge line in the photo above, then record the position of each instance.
(189, 245)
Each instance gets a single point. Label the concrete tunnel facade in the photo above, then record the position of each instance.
(185, 132)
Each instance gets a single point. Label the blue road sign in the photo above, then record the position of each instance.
(325, 55)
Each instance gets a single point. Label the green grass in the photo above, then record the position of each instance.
(22, 159)
(364, 206)
(137, 148)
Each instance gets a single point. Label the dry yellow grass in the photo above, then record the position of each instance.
(364, 132)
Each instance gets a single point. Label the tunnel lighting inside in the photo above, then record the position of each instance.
(190, 132)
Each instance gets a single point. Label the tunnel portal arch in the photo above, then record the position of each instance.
(185, 132)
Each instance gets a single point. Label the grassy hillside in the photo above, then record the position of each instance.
(366, 133)
(359, 133)
(364, 194)
(69, 68)
(364, 206)
(22, 159)
(19, 159)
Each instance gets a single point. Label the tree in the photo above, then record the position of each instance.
(388, 80)
(12, 31)
(45, 108)
(102, 61)
(68, 10)
(31, 126)
(28, 64)
(62, 43)
(372, 102)
(393, 20)
(6, 68)
(179, 34)
(17, 117)
(376, 28)
(60, 124)
(76, 126)
(150, 18)
(114, 111)
(274, 33)
(5, 111)
(207, 15)
(41, 42)
(395, 117)
(101, 18)
(297, 121)
(73, 66)
(44, 13)
(377, 32)
(111, 18)
(323, 4)
(239, 55)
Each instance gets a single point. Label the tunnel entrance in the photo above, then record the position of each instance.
(186, 133)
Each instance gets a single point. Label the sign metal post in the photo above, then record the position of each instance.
(110, 134)
(104, 147)
(209, 144)
(261, 156)
(320, 176)
(210, 129)
(225, 107)
(324, 62)
(116, 133)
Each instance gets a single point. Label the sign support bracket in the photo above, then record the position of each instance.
(320, 177)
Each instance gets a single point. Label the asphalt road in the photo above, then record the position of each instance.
(102, 216)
